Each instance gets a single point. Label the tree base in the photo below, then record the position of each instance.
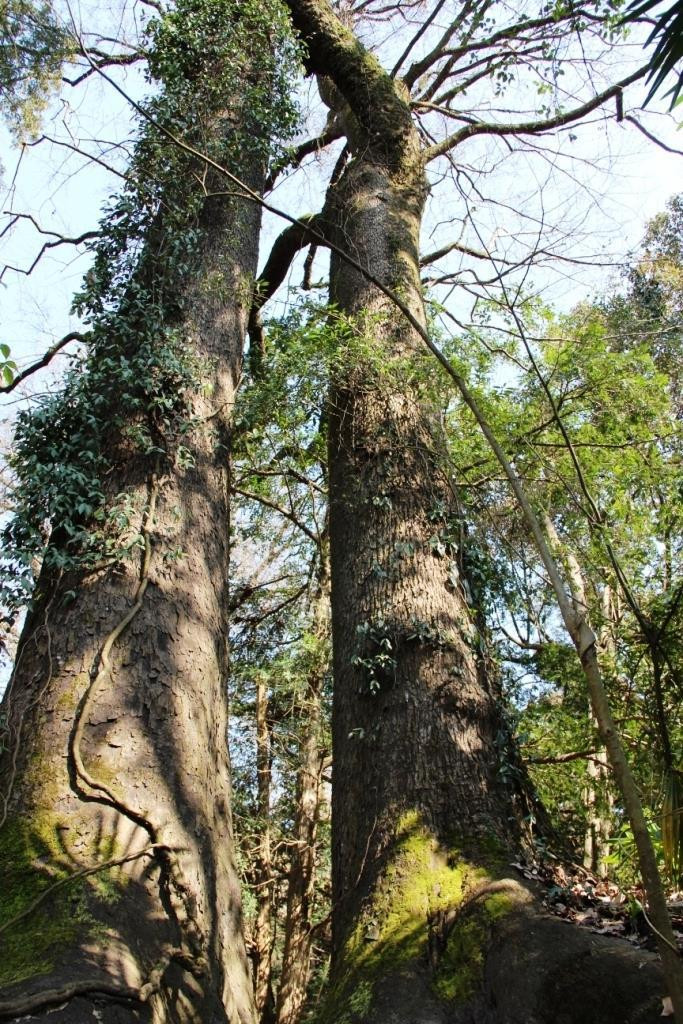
(519, 966)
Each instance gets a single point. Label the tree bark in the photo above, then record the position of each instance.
(598, 797)
(118, 722)
(262, 938)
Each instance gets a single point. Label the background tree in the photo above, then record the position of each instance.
(281, 656)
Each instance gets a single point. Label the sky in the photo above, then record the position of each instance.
(601, 182)
(596, 184)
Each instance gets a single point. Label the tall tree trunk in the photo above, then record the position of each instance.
(416, 709)
(420, 809)
(116, 779)
(426, 928)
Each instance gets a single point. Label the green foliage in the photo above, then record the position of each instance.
(230, 61)
(668, 52)
(285, 399)
(8, 367)
(613, 370)
(66, 444)
(280, 633)
(376, 654)
(623, 856)
(33, 48)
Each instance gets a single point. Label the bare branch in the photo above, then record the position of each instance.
(532, 127)
(49, 355)
(285, 513)
(293, 159)
(413, 42)
(438, 254)
(86, 236)
(574, 755)
(285, 248)
(75, 149)
(651, 137)
(106, 61)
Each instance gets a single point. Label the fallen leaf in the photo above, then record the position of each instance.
(667, 1007)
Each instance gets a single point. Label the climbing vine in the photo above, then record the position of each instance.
(225, 71)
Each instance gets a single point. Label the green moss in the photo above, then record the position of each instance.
(32, 859)
(27, 859)
(498, 905)
(461, 965)
(101, 772)
(361, 999)
(68, 700)
(421, 879)
(462, 962)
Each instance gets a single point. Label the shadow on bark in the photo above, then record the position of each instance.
(147, 767)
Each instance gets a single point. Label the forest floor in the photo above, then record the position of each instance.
(572, 893)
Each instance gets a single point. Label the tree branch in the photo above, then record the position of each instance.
(651, 137)
(295, 237)
(416, 38)
(80, 152)
(49, 355)
(532, 127)
(285, 513)
(106, 61)
(86, 236)
(574, 755)
(330, 134)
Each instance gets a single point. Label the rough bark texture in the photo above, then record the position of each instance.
(416, 711)
(428, 798)
(118, 717)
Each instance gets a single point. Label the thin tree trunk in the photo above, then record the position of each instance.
(599, 800)
(262, 937)
(595, 792)
(296, 956)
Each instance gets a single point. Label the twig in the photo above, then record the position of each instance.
(44, 360)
